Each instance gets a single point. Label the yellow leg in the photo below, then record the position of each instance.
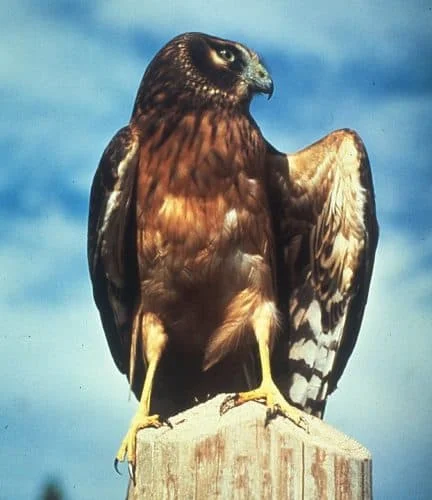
(154, 341)
(267, 392)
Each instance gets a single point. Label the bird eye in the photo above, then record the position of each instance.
(227, 55)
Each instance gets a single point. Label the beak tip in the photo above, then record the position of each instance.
(270, 92)
(258, 78)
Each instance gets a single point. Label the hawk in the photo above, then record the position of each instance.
(219, 264)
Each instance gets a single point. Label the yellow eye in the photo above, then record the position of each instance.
(227, 55)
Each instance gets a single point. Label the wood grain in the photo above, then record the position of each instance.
(234, 456)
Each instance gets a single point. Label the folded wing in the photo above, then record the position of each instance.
(326, 234)
(111, 245)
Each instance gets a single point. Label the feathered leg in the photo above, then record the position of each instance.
(267, 392)
(154, 340)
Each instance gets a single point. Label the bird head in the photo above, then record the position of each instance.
(205, 70)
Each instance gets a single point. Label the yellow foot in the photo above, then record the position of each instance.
(128, 446)
(270, 395)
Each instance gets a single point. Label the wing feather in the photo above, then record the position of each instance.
(111, 255)
(327, 232)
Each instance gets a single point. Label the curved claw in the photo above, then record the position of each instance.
(116, 462)
(168, 423)
(131, 470)
(228, 403)
(270, 414)
(304, 424)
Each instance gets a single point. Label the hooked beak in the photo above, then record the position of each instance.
(258, 77)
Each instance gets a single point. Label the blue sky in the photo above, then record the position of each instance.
(68, 76)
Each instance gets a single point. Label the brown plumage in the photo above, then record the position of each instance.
(205, 242)
(326, 236)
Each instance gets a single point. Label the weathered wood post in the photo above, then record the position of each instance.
(234, 456)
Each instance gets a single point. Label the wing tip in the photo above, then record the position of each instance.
(349, 136)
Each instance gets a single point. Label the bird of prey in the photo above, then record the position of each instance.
(218, 263)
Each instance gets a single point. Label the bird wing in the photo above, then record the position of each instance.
(326, 231)
(111, 255)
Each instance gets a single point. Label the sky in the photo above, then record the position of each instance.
(68, 76)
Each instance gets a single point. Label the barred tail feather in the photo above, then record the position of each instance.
(311, 356)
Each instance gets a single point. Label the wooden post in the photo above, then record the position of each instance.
(234, 456)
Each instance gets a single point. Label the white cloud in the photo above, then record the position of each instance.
(59, 385)
(336, 31)
(382, 393)
(69, 88)
(392, 129)
(62, 86)
(56, 361)
(59, 64)
(63, 325)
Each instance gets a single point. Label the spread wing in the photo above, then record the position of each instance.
(111, 246)
(326, 233)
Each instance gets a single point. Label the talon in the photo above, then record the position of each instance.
(127, 448)
(270, 395)
(168, 423)
(131, 470)
(116, 462)
(272, 412)
(304, 424)
(228, 403)
(269, 416)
